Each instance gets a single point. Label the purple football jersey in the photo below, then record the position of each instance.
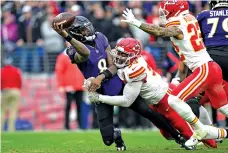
(97, 62)
(214, 27)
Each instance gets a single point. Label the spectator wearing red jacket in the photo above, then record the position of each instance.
(11, 84)
(70, 81)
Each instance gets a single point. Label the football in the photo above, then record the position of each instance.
(64, 18)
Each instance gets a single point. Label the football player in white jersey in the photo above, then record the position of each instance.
(141, 80)
(184, 32)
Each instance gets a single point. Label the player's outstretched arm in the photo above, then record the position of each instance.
(130, 93)
(161, 31)
(82, 50)
(151, 28)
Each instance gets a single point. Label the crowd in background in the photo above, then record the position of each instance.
(27, 36)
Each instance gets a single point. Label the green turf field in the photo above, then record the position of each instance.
(90, 142)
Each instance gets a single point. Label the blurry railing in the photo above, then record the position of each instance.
(31, 58)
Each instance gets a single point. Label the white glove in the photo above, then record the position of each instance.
(93, 97)
(86, 98)
(87, 83)
(176, 81)
(130, 18)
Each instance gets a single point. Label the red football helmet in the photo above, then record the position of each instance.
(126, 51)
(172, 8)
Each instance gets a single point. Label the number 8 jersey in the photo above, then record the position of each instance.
(191, 48)
(97, 63)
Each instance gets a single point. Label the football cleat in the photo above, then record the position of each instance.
(120, 146)
(197, 136)
(219, 140)
(192, 141)
(210, 143)
(181, 140)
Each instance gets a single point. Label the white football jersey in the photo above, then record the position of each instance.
(191, 48)
(154, 87)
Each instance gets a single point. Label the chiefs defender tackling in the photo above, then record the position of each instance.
(140, 79)
(184, 32)
(90, 50)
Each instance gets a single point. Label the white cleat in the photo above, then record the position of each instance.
(196, 137)
(192, 142)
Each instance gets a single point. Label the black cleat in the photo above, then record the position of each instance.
(120, 146)
(181, 140)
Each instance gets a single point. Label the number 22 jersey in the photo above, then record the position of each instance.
(191, 48)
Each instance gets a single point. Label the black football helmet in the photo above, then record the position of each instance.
(79, 25)
(217, 3)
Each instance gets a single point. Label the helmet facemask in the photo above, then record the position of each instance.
(121, 58)
(163, 16)
(82, 33)
(214, 4)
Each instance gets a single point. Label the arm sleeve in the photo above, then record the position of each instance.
(130, 93)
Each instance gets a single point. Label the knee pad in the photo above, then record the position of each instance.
(194, 104)
(173, 100)
(181, 108)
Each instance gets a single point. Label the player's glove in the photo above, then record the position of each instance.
(130, 18)
(87, 83)
(176, 81)
(93, 97)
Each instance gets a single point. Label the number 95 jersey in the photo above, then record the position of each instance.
(153, 89)
(191, 48)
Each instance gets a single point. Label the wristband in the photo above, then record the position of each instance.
(68, 38)
(107, 74)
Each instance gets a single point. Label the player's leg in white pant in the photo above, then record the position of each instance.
(204, 116)
(185, 111)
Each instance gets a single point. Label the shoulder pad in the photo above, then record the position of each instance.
(173, 22)
(135, 72)
(203, 11)
(103, 39)
(201, 14)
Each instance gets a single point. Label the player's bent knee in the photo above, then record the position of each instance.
(172, 100)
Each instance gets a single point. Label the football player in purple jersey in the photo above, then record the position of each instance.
(214, 27)
(90, 50)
